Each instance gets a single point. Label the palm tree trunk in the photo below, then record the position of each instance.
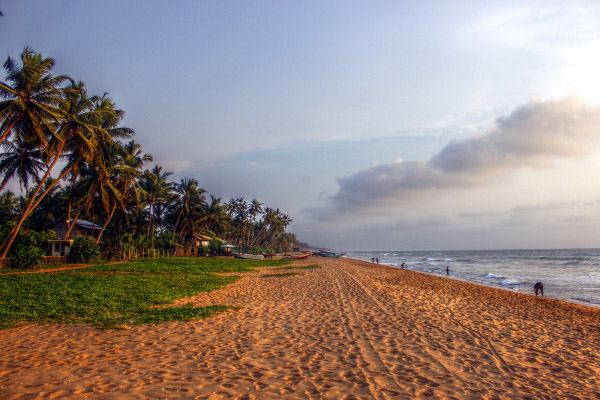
(93, 219)
(32, 204)
(176, 223)
(106, 224)
(74, 221)
(73, 180)
(153, 228)
(69, 209)
(37, 203)
(7, 131)
(149, 221)
(4, 182)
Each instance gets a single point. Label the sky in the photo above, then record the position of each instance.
(388, 125)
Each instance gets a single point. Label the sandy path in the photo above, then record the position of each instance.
(347, 330)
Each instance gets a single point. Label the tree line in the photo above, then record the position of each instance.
(74, 160)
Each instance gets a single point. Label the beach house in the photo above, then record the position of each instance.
(62, 246)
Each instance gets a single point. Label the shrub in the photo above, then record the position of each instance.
(23, 256)
(84, 250)
(27, 250)
(203, 251)
(214, 247)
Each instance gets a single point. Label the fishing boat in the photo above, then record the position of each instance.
(333, 255)
(276, 256)
(329, 254)
(273, 256)
(246, 256)
(301, 256)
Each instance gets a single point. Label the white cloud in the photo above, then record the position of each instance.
(534, 135)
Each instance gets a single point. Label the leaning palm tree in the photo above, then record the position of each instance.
(105, 167)
(32, 95)
(77, 135)
(95, 183)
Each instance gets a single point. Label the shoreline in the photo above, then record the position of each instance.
(349, 329)
(570, 301)
(527, 290)
(481, 285)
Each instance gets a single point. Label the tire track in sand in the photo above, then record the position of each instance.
(484, 343)
(381, 384)
(425, 355)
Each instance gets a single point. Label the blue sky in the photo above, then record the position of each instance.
(375, 125)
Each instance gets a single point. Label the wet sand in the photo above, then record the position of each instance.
(348, 330)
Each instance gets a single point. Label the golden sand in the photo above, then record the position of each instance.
(348, 330)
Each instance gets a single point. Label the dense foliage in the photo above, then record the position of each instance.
(84, 250)
(30, 246)
(103, 176)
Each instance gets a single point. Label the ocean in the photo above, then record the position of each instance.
(567, 274)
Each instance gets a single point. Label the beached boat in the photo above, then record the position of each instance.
(274, 256)
(246, 256)
(301, 256)
(329, 254)
(277, 256)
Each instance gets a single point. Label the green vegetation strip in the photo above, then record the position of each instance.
(281, 275)
(109, 296)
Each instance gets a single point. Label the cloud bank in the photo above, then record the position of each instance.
(533, 135)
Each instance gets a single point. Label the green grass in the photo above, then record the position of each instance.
(281, 275)
(108, 296)
(301, 267)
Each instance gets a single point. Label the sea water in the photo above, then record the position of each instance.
(571, 274)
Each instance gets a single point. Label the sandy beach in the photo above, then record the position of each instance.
(347, 330)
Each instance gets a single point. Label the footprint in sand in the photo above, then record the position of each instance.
(219, 396)
(245, 397)
(256, 374)
(286, 390)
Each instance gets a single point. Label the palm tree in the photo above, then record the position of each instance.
(208, 217)
(112, 159)
(33, 97)
(49, 209)
(188, 196)
(157, 190)
(127, 170)
(95, 182)
(22, 159)
(78, 134)
(214, 215)
(9, 207)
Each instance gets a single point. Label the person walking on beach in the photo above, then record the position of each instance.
(377, 259)
(538, 288)
(402, 265)
(447, 270)
(373, 260)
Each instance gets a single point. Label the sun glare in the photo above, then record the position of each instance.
(581, 74)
